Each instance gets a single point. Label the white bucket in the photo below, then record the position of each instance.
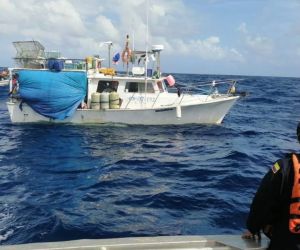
(114, 102)
(95, 105)
(95, 100)
(104, 100)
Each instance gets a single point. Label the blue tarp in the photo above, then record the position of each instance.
(52, 94)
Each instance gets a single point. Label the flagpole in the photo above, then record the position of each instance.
(147, 35)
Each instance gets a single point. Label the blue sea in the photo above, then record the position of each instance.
(65, 182)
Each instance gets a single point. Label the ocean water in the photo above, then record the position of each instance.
(64, 182)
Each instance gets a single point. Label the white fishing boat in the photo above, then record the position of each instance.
(138, 96)
(4, 82)
(4, 76)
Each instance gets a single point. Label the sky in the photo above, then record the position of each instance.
(231, 37)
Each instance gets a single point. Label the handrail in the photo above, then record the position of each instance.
(156, 99)
(213, 85)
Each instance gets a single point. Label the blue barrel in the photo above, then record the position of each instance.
(149, 72)
(55, 65)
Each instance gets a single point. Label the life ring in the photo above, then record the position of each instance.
(99, 64)
(126, 55)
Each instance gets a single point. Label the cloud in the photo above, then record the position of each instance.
(60, 15)
(40, 21)
(60, 22)
(206, 49)
(10, 17)
(158, 10)
(243, 28)
(256, 43)
(205, 32)
(107, 28)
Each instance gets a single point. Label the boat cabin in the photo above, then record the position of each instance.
(132, 91)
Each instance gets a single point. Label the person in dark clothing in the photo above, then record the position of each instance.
(270, 209)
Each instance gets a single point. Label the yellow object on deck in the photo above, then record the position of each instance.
(89, 62)
(107, 71)
(104, 100)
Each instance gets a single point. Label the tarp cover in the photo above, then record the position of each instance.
(52, 94)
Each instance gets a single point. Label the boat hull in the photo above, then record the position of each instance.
(211, 112)
(4, 82)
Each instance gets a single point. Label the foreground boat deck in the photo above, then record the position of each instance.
(210, 242)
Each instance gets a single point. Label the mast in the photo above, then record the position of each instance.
(147, 36)
(156, 49)
(147, 40)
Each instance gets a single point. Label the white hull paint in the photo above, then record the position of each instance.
(210, 112)
(4, 82)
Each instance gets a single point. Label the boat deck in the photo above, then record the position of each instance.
(211, 242)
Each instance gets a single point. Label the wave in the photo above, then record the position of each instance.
(63, 182)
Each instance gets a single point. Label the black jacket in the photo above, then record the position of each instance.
(270, 207)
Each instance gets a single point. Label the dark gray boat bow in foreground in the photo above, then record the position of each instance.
(210, 242)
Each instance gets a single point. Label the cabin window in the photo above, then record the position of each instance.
(107, 86)
(134, 87)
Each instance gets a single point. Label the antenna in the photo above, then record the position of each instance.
(133, 40)
(156, 49)
(109, 43)
(147, 37)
